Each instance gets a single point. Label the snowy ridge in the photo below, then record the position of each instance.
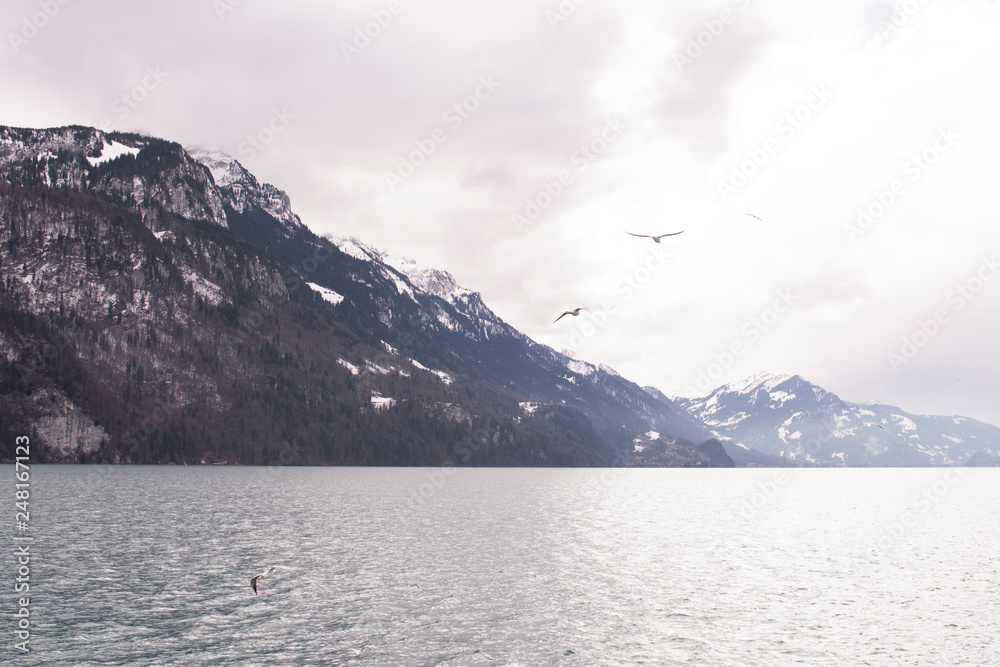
(786, 415)
(756, 382)
(433, 281)
(83, 159)
(241, 189)
(224, 168)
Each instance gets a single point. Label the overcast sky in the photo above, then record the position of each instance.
(594, 120)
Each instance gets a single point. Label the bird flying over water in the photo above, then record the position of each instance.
(754, 216)
(575, 312)
(656, 239)
(263, 575)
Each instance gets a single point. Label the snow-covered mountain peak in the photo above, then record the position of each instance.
(587, 369)
(242, 190)
(754, 383)
(607, 369)
(355, 248)
(433, 281)
(581, 367)
(225, 169)
(785, 415)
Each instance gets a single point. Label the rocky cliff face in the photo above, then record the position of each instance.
(145, 175)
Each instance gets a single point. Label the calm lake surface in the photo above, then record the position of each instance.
(151, 566)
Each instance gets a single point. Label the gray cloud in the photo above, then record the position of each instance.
(559, 86)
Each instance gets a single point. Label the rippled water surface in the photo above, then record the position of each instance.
(151, 566)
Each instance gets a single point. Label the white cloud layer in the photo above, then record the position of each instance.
(800, 114)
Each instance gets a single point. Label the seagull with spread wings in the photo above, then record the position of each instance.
(575, 313)
(656, 239)
(263, 575)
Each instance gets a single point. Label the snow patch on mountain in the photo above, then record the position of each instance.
(372, 367)
(447, 379)
(581, 367)
(355, 370)
(380, 403)
(111, 150)
(327, 295)
(781, 397)
(208, 291)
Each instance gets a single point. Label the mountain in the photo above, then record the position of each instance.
(983, 460)
(621, 410)
(786, 416)
(163, 305)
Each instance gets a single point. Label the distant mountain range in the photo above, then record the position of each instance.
(785, 416)
(162, 305)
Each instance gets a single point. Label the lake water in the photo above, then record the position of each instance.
(151, 566)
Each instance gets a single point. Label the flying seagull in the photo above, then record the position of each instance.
(655, 238)
(575, 312)
(874, 424)
(263, 575)
(754, 216)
